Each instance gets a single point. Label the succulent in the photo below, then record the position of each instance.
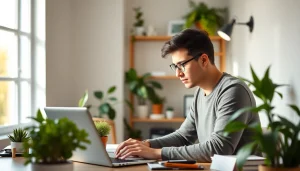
(19, 135)
(103, 128)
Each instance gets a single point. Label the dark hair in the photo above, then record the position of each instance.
(195, 41)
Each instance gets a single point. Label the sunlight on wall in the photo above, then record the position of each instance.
(3, 88)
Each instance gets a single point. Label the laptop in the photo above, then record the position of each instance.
(95, 152)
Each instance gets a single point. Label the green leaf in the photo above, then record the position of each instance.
(280, 94)
(39, 117)
(104, 108)
(142, 92)
(113, 98)
(111, 113)
(83, 99)
(156, 84)
(244, 153)
(234, 126)
(256, 81)
(129, 104)
(268, 142)
(296, 109)
(245, 109)
(147, 75)
(287, 123)
(98, 94)
(111, 89)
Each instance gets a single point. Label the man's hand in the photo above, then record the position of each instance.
(133, 147)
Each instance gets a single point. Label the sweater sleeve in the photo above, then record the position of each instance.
(185, 135)
(231, 100)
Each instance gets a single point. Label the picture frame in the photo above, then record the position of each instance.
(175, 26)
(187, 104)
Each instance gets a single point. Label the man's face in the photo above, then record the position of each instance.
(193, 72)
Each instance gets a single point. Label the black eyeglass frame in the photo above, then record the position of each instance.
(182, 68)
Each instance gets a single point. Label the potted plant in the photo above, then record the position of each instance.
(52, 143)
(133, 133)
(142, 88)
(280, 142)
(204, 18)
(17, 139)
(103, 129)
(157, 103)
(139, 22)
(107, 102)
(170, 112)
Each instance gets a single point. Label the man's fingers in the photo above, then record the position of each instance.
(131, 153)
(122, 145)
(125, 149)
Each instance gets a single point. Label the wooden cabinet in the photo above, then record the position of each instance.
(220, 52)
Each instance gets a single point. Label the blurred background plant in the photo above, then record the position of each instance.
(280, 142)
(204, 18)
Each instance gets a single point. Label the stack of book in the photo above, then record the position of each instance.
(251, 164)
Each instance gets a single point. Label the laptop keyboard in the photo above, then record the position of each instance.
(116, 160)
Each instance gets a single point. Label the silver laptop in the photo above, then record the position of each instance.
(95, 152)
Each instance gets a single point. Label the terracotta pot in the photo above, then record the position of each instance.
(104, 140)
(267, 168)
(157, 108)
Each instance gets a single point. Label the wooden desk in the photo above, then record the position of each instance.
(16, 164)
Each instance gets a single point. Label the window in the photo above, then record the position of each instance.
(21, 41)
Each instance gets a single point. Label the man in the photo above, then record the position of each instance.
(219, 95)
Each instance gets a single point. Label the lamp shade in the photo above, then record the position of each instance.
(225, 31)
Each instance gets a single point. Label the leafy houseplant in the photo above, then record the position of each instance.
(19, 136)
(107, 102)
(141, 87)
(208, 19)
(280, 142)
(103, 129)
(133, 133)
(52, 142)
(139, 22)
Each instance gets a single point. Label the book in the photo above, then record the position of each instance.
(252, 160)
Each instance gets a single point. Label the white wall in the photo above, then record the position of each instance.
(274, 41)
(85, 50)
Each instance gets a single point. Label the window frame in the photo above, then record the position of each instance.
(18, 80)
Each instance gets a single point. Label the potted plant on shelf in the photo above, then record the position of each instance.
(133, 133)
(16, 140)
(107, 102)
(169, 112)
(142, 88)
(204, 18)
(139, 22)
(52, 143)
(280, 142)
(103, 129)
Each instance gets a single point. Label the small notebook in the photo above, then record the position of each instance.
(157, 166)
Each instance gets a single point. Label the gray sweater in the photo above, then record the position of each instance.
(207, 118)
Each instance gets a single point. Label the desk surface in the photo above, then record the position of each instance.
(16, 164)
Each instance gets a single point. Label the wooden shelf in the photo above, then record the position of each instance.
(157, 120)
(164, 38)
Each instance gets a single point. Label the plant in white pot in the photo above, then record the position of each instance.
(103, 129)
(16, 140)
(280, 142)
(139, 22)
(142, 88)
(169, 112)
(52, 143)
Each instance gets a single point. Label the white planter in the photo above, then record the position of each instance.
(139, 31)
(50, 167)
(18, 146)
(169, 114)
(142, 111)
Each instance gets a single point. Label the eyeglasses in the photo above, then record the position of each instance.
(180, 66)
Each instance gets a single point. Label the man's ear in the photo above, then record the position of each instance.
(204, 60)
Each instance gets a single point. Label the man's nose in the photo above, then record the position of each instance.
(178, 73)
